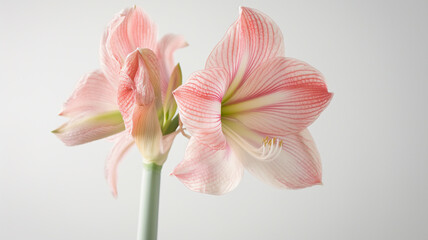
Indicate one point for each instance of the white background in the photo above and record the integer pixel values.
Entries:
(372, 138)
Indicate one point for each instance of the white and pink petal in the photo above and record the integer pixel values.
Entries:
(251, 40)
(93, 94)
(147, 133)
(298, 165)
(123, 143)
(229, 52)
(82, 129)
(129, 30)
(209, 171)
(165, 52)
(277, 74)
(199, 103)
(263, 37)
(282, 96)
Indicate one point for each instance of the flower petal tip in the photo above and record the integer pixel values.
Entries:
(176, 171)
(114, 194)
(244, 10)
(112, 184)
(241, 8)
(317, 181)
(59, 134)
(328, 97)
(176, 91)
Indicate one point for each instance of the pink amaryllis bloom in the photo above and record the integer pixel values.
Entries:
(249, 109)
(93, 107)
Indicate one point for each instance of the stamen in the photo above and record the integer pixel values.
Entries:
(182, 129)
(270, 147)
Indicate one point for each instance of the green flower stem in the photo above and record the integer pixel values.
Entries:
(149, 203)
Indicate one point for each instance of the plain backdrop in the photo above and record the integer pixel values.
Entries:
(372, 138)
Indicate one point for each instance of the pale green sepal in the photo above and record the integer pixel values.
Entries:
(171, 126)
(113, 117)
(170, 106)
(106, 118)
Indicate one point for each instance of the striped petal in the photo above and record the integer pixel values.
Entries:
(139, 84)
(251, 40)
(93, 94)
(109, 66)
(229, 51)
(263, 37)
(280, 97)
(147, 133)
(165, 51)
(297, 166)
(129, 30)
(83, 129)
(199, 103)
(167, 141)
(207, 170)
(122, 145)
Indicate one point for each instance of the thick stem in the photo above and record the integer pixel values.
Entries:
(149, 202)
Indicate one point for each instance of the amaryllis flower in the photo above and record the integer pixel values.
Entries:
(93, 107)
(249, 109)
